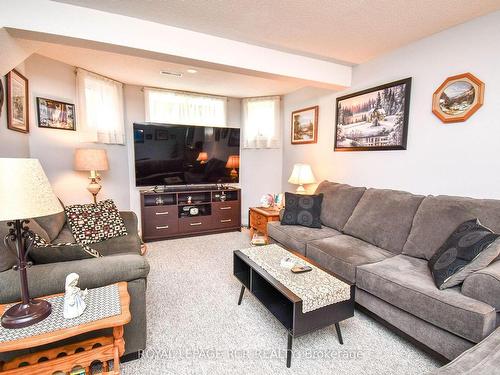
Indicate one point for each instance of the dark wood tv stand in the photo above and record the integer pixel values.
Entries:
(167, 214)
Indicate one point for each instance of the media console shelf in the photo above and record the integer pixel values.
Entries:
(180, 213)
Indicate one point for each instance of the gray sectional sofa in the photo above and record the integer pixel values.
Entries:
(382, 240)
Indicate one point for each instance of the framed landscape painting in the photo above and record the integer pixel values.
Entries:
(458, 98)
(53, 114)
(17, 102)
(305, 126)
(374, 119)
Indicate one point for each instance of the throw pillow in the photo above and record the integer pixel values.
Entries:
(470, 247)
(44, 252)
(91, 223)
(302, 210)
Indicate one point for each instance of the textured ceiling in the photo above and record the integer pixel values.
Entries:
(351, 31)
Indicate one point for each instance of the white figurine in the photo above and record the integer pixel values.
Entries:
(74, 304)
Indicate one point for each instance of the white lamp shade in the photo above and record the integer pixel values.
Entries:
(25, 191)
(89, 159)
(302, 174)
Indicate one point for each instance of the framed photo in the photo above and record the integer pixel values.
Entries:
(53, 114)
(305, 126)
(17, 102)
(161, 135)
(374, 119)
(458, 98)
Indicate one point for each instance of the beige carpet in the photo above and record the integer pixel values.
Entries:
(196, 327)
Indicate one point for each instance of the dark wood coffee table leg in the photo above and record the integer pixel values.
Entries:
(289, 351)
(241, 294)
(339, 334)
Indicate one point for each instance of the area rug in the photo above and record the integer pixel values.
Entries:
(195, 326)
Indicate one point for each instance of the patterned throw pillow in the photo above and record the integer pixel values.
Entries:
(302, 210)
(470, 248)
(91, 223)
(73, 251)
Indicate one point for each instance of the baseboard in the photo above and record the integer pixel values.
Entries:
(437, 356)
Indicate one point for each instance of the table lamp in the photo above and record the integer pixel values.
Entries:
(25, 193)
(233, 162)
(301, 174)
(202, 157)
(93, 161)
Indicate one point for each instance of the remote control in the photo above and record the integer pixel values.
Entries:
(301, 269)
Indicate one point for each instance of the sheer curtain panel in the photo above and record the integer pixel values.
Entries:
(174, 107)
(100, 109)
(261, 122)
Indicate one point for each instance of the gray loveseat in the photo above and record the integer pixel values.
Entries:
(382, 240)
(121, 261)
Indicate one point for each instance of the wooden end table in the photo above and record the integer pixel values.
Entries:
(259, 217)
(67, 357)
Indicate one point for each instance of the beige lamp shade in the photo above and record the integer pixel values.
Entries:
(203, 157)
(233, 162)
(302, 174)
(89, 159)
(25, 191)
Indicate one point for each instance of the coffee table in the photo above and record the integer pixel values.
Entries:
(303, 302)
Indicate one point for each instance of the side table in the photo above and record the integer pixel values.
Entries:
(260, 216)
(65, 358)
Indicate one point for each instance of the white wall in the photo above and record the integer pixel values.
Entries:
(55, 148)
(455, 159)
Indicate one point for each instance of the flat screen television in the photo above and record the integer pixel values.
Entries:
(180, 154)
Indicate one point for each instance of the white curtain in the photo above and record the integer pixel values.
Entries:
(174, 107)
(100, 109)
(261, 122)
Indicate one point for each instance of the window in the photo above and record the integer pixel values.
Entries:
(100, 109)
(174, 107)
(261, 122)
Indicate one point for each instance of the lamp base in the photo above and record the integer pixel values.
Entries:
(300, 189)
(26, 314)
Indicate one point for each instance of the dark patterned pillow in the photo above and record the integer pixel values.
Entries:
(91, 223)
(470, 247)
(302, 210)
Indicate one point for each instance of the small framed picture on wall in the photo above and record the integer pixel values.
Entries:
(305, 125)
(17, 102)
(53, 114)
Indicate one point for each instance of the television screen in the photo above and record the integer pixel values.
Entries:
(179, 154)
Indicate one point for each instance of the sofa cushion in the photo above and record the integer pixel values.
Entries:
(484, 285)
(437, 217)
(406, 282)
(295, 237)
(339, 201)
(384, 218)
(470, 248)
(342, 254)
(53, 224)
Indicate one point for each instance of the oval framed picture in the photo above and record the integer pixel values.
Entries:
(458, 98)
